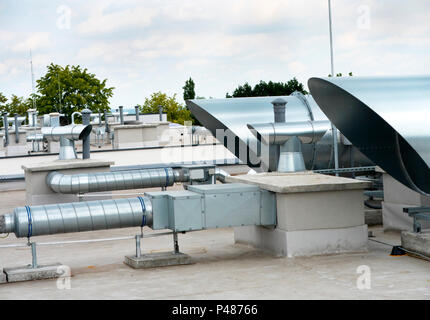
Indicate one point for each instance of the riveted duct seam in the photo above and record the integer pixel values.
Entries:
(109, 181)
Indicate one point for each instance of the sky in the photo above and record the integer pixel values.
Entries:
(146, 46)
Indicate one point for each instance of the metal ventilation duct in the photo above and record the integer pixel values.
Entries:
(109, 181)
(231, 116)
(387, 119)
(77, 217)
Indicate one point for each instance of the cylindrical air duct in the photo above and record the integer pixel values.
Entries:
(121, 115)
(16, 125)
(6, 129)
(77, 217)
(136, 109)
(386, 118)
(109, 181)
(160, 111)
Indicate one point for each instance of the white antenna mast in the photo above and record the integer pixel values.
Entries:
(32, 79)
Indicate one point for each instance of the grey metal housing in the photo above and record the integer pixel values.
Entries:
(386, 119)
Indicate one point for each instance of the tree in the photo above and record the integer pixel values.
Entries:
(71, 89)
(17, 105)
(189, 92)
(263, 89)
(340, 75)
(175, 111)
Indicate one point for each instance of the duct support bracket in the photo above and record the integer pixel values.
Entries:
(158, 259)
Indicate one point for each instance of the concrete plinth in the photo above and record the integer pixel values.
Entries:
(3, 278)
(159, 259)
(416, 242)
(38, 192)
(27, 273)
(135, 136)
(316, 214)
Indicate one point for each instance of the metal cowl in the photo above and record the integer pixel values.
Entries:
(386, 118)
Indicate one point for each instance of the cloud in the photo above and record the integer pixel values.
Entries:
(116, 21)
(35, 41)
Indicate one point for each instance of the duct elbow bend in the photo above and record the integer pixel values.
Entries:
(221, 175)
(53, 180)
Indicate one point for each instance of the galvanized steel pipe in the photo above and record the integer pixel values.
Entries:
(77, 217)
(109, 181)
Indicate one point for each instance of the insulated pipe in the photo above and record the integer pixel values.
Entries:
(77, 217)
(109, 181)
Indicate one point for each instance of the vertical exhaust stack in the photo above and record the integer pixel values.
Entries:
(67, 135)
(289, 137)
(386, 118)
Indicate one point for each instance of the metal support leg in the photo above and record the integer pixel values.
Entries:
(417, 225)
(138, 251)
(175, 242)
(33, 255)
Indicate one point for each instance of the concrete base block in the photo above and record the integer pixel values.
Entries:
(3, 278)
(304, 242)
(16, 150)
(373, 217)
(417, 242)
(159, 259)
(27, 273)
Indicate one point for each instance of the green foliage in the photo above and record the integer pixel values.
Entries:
(71, 89)
(189, 92)
(175, 111)
(270, 88)
(17, 105)
(340, 75)
(3, 99)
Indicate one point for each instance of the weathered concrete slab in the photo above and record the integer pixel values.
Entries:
(26, 273)
(299, 182)
(66, 164)
(417, 242)
(159, 259)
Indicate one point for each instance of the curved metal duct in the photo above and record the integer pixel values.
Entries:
(71, 132)
(221, 175)
(386, 119)
(109, 181)
(77, 217)
(232, 116)
(280, 132)
(67, 136)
